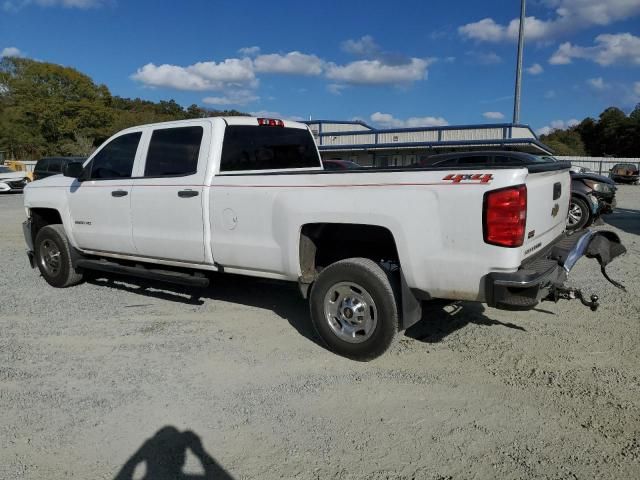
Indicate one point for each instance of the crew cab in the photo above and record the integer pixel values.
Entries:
(242, 195)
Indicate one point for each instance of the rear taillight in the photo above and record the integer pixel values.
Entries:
(505, 216)
(270, 122)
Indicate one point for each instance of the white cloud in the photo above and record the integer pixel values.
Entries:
(535, 69)
(570, 16)
(363, 47)
(336, 88)
(608, 49)
(249, 51)
(550, 94)
(484, 58)
(293, 63)
(557, 125)
(386, 120)
(231, 72)
(375, 72)
(15, 5)
(11, 52)
(238, 97)
(493, 115)
(597, 83)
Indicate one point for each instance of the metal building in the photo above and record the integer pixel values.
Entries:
(368, 146)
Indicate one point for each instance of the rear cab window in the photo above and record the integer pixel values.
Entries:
(250, 148)
(173, 152)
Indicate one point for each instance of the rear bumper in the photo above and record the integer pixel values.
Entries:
(535, 278)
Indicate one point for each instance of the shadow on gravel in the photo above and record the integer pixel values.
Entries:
(164, 456)
(625, 219)
(283, 298)
(442, 317)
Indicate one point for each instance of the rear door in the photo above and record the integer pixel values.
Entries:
(167, 196)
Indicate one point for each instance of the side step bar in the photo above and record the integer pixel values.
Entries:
(167, 276)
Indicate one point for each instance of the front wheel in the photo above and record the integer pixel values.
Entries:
(354, 308)
(579, 214)
(53, 257)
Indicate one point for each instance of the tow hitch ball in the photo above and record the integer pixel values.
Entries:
(563, 293)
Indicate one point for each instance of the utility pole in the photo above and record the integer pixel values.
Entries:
(516, 97)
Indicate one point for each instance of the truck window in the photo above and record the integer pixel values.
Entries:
(173, 152)
(473, 160)
(247, 147)
(115, 160)
(55, 165)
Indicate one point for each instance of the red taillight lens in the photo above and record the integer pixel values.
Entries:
(270, 122)
(505, 216)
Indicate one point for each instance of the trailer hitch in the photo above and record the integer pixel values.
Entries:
(564, 293)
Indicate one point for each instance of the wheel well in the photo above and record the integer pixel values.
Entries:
(41, 217)
(322, 244)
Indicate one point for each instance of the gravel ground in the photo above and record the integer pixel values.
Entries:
(88, 376)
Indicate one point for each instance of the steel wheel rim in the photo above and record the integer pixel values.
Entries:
(50, 257)
(575, 214)
(350, 312)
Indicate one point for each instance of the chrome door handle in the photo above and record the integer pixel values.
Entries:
(187, 193)
(119, 193)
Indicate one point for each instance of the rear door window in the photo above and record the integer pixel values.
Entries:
(55, 165)
(248, 147)
(173, 152)
(116, 159)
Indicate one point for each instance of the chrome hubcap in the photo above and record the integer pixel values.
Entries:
(350, 312)
(575, 214)
(50, 257)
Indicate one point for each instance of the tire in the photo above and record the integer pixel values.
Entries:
(579, 215)
(53, 257)
(354, 309)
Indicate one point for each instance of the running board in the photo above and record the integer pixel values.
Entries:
(176, 278)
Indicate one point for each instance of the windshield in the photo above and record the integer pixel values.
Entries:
(546, 158)
(5, 170)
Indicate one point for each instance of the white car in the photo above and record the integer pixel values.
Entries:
(12, 181)
(242, 195)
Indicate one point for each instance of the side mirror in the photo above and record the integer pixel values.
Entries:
(73, 170)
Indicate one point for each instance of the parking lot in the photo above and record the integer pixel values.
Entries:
(91, 373)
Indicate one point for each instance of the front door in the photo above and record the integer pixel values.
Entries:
(167, 195)
(100, 202)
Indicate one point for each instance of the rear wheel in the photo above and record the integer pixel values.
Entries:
(354, 308)
(53, 257)
(579, 214)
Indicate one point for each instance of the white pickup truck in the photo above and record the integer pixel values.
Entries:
(249, 196)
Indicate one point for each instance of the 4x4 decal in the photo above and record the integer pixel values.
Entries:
(469, 177)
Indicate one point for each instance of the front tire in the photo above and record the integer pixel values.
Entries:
(579, 215)
(354, 309)
(53, 257)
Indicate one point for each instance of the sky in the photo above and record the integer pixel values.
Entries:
(398, 63)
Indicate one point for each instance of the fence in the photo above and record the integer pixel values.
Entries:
(600, 165)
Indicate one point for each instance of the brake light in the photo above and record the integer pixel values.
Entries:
(505, 216)
(270, 122)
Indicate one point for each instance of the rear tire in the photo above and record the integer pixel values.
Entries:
(354, 309)
(53, 257)
(579, 215)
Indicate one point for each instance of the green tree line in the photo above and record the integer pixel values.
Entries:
(49, 109)
(613, 134)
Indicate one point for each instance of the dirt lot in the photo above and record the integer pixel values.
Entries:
(89, 374)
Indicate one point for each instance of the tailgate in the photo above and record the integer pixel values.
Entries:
(548, 195)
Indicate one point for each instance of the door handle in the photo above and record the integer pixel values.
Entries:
(119, 193)
(187, 193)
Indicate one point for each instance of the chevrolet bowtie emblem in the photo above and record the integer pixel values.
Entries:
(555, 210)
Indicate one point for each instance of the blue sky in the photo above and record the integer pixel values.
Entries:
(389, 63)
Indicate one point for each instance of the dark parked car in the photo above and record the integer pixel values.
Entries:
(591, 194)
(339, 165)
(53, 166)
(624, 173)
